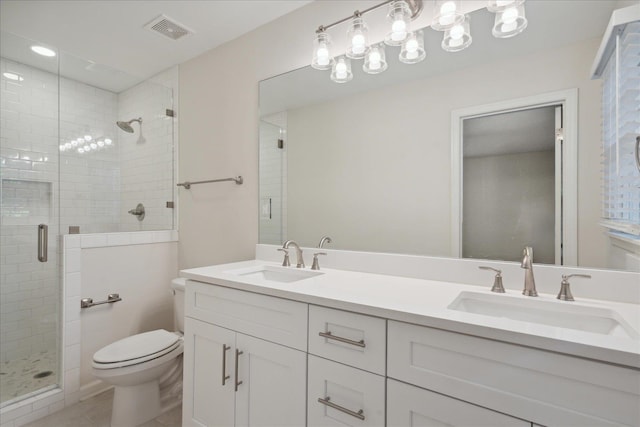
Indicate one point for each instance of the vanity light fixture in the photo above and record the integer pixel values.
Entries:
(357, 36)
(510, 21)
(341, 71)
(446, 15)
(44, 51)
(401, 12)
(412, 50)
(400, 18)
(375, 62)
(457, 37)
(322, 59)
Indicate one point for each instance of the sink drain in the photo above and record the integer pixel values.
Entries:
(43, 374)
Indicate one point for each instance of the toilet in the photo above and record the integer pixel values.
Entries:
(145, 369)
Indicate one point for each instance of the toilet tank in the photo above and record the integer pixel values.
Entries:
(178, 287)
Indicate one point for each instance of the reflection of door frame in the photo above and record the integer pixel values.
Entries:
(569, 101)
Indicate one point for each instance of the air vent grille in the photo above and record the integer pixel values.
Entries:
(168, 28)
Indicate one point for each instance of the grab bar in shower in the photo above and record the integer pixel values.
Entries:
(88, 302)
(187, 184)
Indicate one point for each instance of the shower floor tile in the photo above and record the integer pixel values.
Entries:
(28, 374)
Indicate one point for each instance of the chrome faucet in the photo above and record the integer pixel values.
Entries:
(299, 259)
(529, 281)
(325, 239)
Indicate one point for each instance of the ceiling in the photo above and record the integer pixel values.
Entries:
(109, 37)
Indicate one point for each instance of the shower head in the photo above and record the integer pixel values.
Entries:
(126, 126)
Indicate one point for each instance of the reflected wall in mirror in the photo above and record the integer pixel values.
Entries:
(369, 162)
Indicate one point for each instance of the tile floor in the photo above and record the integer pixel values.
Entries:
(19, 376)
(96, 412)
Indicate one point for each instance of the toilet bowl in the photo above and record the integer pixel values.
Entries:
(140, 366)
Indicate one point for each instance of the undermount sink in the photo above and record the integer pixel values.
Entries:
(275, 274)
(559, 314)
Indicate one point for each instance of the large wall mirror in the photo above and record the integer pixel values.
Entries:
(369, 162)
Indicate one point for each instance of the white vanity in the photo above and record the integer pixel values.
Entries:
(269, 345)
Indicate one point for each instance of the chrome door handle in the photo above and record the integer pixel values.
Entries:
(238, 353)
(327, 402)
(225, 377)
(43, 237)
(330, 336)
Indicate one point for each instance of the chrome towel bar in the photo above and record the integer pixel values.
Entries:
(187, 184)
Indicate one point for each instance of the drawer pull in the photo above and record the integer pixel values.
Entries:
(327, 402)
(330, 336)
(225, 377)
(238, 353)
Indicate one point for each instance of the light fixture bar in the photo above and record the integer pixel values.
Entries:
(415, 6)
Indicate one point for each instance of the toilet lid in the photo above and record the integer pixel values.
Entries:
(136, 347)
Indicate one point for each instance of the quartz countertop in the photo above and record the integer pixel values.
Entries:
(426, 302)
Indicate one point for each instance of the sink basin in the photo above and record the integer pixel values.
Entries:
(275, 274)
(559, 314)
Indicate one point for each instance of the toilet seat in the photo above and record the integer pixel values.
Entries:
(136, 349)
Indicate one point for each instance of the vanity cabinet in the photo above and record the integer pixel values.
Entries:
(233, 378)
(548, 388)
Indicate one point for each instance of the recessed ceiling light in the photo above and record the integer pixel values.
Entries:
(13, 76)
(44, 51)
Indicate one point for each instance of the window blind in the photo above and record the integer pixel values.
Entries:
(620, 128)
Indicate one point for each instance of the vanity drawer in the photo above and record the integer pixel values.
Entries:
(349, 338)
(408, 405)
(269, 318)
(345, 392)
(544, 387)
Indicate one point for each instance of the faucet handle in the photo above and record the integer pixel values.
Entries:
(497, 282)
(285, 262)
(565, 289)
(316, 265)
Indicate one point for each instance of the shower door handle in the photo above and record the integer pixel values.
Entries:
(43, 240)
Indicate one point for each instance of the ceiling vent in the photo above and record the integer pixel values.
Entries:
(168, 28)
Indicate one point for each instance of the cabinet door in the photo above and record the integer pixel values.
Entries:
(272, 384)
(208, 394)
(408, 405)
(341, 396)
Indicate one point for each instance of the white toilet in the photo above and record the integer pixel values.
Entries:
(145, 369)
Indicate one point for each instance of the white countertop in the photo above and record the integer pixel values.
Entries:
(425, 302)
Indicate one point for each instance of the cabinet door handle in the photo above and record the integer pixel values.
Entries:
(225, 377)
(638, 153)
(330, 336)
(327, 402)
(238, 353)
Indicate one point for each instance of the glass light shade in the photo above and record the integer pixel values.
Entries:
(457, 37)
(412, 50)
(400, 18)
(500, 5)
(358, 40)
(375, 62)
(341, 71)
(322, 59)
(446, 14)
(510, 22)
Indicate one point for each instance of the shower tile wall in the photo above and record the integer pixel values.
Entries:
(90, 181)
(29, 290)
(273, 179)
(147, 155)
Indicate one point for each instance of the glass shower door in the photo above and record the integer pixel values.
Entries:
(30, 294)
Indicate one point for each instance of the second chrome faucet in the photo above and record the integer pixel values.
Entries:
(529, 281)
